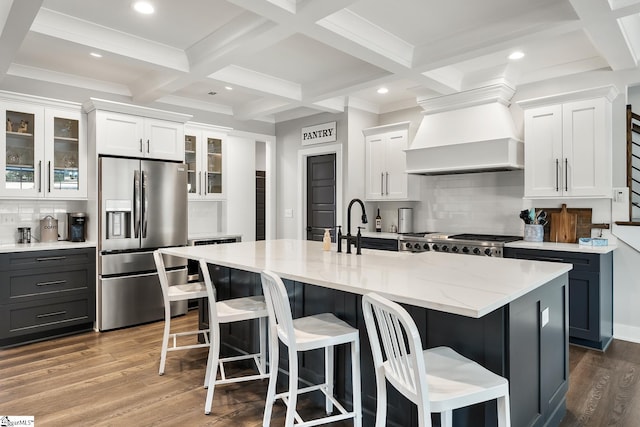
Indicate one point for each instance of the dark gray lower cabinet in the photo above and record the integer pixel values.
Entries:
(511, 341)
(590, 293)
(45, 294)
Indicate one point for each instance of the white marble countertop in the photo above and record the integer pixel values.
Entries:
(567, 247)
(38, 246)
(466, 285)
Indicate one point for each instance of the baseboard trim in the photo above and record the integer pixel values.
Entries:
(626, 332)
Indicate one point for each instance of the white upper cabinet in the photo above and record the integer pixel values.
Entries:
(386, 163)
(45, 151)
(568, 145)
(205, 157)
(132, 131)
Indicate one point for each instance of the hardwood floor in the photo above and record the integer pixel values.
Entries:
(111, 379)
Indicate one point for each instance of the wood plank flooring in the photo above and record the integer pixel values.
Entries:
(111, 379)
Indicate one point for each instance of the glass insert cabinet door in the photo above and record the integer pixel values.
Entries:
(191, 160)
(66, 155)
(22, 171)
(214, 166)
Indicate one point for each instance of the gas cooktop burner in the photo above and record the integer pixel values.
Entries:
(466, 243)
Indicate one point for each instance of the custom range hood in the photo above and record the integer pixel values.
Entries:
(471, 131)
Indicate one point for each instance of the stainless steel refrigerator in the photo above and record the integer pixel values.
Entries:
(143, 206)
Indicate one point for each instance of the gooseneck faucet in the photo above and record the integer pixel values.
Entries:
(349, 238)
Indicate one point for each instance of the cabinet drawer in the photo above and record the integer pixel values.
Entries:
(20, 319)
(580, 261)
(23, 285)
(42, 259)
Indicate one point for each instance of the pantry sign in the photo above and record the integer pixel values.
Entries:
(319, 133)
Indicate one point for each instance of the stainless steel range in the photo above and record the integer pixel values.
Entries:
(470, 244)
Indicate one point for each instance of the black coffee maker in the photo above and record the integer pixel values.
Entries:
(76, 226)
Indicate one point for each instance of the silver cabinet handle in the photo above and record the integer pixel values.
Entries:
(387, 183)
(557, 176)
(55, 313)
(382, 183)
(51, 258)
(148, 146)
(141, 145)
(566, 175)
(205, 183)
(200, 181)
(49, 177)
(54, 282)
(40, 176)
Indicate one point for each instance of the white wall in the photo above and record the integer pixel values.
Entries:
(241, 187)
(288, 175)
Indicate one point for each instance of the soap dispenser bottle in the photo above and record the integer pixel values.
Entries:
(326, 240)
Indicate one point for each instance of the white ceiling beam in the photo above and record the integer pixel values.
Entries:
(17, 17)
(75, 30)
(249, 79)
(196, 104)
(605, 32)
(260, 108)
(332, 105)
(67, 79)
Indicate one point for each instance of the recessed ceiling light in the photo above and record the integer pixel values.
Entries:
(143, 7)
(516, 55)
(95, 55)
(228, 88)
(383, 90)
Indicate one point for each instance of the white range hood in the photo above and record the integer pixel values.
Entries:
(471, 131)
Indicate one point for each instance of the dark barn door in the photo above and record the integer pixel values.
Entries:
(321, 195)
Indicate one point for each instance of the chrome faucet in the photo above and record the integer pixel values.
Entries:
(349, 238)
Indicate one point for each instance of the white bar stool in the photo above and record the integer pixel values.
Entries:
(303, 334)
(227, 311)
(171, 293)
(436, 380)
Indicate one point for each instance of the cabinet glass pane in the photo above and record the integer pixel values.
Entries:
(66, 154)
(19, 173)
(214, 165)
(190, 142)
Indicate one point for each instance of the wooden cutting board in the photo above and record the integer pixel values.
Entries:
(563, 226)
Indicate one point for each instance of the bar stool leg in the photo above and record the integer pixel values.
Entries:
(355, 379)
(165, 339)
(293, 388)
(212, 369)
(381, 396)
(273, 377)
(328, 377)
(446, 418)
(503, 412)
(263, 345)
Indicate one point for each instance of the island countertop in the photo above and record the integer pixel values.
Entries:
(467, 285)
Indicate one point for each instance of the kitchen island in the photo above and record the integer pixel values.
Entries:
(509, 315)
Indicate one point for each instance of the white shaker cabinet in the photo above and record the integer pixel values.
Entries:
(205, 157)
(135, 136)
(385, 166)
(568, 145)
(133, 131)
(45, 151)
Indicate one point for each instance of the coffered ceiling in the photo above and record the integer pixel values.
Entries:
(285, 59)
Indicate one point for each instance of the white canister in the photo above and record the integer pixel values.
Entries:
(48, 229)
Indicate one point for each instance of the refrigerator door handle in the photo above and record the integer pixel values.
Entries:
(136, 204)
(145, 206)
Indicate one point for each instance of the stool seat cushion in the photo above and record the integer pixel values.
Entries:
(320, 330)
